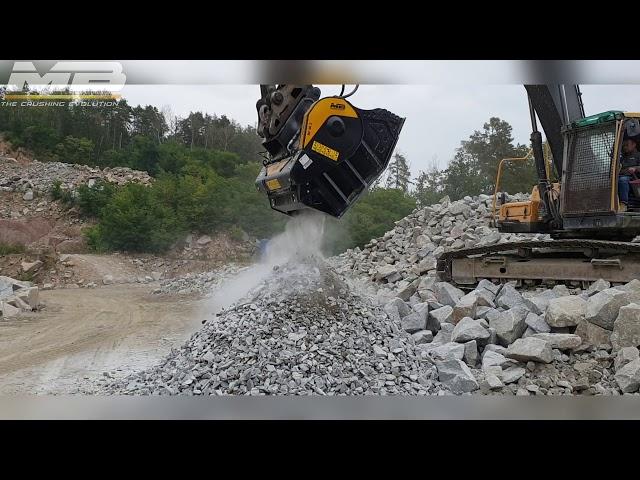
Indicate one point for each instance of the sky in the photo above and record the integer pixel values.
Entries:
(438, 117)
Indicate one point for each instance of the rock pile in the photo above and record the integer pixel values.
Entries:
(312, 328)
(17, 296)
(38, 176)
(301, 332)
(410, 250)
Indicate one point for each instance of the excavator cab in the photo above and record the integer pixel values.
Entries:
(586, 198)
(322, 153)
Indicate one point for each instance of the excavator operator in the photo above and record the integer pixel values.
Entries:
(629, 166)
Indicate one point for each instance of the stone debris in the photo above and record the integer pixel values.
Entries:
(17, 296)
(377, 321)
(38, 177)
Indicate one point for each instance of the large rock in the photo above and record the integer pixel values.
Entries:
(628, 377)
(204, 240)
(456, 376)
(468, 329)
(30, 295)
(489, 286)
(625, 355)
(626, 328)
(512, 374)
(598, 286)
(444, 334)
(447, 351)
(385, 271)
(593, 334)
(509, 298)
(471, 353)
(396, 308)
(422, 337)
(439, 316)
(537, 323)
(406, 289)
(492, 359)
(465, 307)
(542, 301)
(561, 341)
(28, 267)
(530, 349)
(413, 322)
(9, 311)
(603, 307)
(447, 294)
(509, 325)
(107, 279)
(566, 311)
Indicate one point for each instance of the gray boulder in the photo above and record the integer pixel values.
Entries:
(625, 355)
(447, 294)
(530, 349)
(603, 307)
(561, 341)
(413, 322)
(566, 311)
(628, 377)
(509, 325)
(537, 323)
(423, 336)
(465, 307)
(471, 353)
(456, 376)
(626, 328)
(598, 286)
(468, 329)
(592, 334)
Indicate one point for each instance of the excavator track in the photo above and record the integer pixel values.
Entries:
(544, 261)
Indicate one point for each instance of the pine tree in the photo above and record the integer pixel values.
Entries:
(399, 175)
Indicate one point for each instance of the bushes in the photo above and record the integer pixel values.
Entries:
(135, 220)
(91, 200)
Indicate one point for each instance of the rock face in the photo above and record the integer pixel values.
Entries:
(603, 307)
(465, 307)
(566, 311)
(626, 328)
(457, 376)
(468, 329)
(593, 334)
(447, 294)
(509, 325)
(530, 349)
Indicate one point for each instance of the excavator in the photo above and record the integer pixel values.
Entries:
(323, 153)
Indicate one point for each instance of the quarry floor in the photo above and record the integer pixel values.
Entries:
(82, 334)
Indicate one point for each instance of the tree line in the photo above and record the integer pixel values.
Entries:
(205, 167)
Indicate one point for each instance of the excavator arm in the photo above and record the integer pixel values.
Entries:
(321, 153)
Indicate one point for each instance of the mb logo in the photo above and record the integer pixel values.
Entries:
(86, 75)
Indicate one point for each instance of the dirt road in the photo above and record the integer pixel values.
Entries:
(83, 333)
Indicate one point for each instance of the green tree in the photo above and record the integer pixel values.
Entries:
(399, 175)
(136, 220)
(429, 185)
(474, 168)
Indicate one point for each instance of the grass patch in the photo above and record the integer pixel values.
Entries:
(8, 248)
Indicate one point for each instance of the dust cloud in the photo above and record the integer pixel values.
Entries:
(302, 239)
